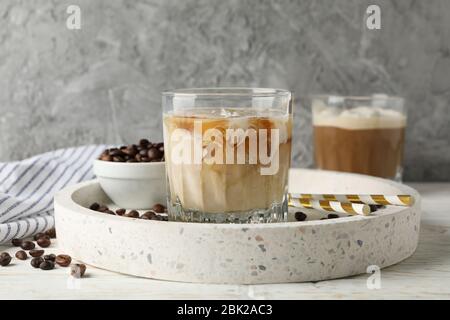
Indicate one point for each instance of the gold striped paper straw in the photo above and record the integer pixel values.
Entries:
(378, 199)
(330, 206)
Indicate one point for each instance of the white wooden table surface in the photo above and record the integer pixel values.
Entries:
(425, 275)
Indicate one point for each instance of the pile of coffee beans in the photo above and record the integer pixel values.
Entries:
(145, 151)
(156, 213)
(39, 258)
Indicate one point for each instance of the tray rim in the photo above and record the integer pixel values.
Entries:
(65, 198)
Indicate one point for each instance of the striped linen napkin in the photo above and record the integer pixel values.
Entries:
(27, 188)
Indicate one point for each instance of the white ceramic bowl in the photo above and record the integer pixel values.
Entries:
(132, 185)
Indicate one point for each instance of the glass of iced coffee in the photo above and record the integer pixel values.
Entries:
(359, 134)
(227, 154)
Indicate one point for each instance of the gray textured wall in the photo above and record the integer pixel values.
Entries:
(60, 87)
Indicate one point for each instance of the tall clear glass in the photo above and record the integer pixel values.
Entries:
(228, 153)
(360, 134)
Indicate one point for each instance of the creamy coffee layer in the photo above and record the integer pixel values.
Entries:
(364, 117)
(226, 187)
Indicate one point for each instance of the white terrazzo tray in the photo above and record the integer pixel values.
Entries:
(242, 254)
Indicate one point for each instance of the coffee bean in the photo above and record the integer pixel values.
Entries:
(138, 157)
(157, 217)
(78, 270)
(63, 260)
(118, 159)
(110, 212)
(27, 245)
(159, 208)
(51, 233)
(143, 152)
(50, 257)
(38, 235)
(115, 153)
(16, 242)
(130, 151)
(103, 209)
(300, 216)
(144, 142)
(106, 158)
(5, 259)
(375, 207)
(47, 265)
(36, 253)
(154, 154)
(120, 212)
(145, 159)
(95, 206)
(333, 216)
(323, 218)
(35, 262)
(148, 215)
(44, 242)
(132, 214)
(21, 255)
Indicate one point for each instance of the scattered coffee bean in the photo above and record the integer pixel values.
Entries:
(35, 262)
(132, 214)
(333, 216)
(44, 242)
(5, 259)
(103, 209)
(36, 253)
(16, 242)
(323, 218)
(47, 265)
(63, 260)
(78, 270)
(144, 152)
(27, 245)
(375, 207)
(95, 206)
(51, 233)
(148, 215)
(50, 257)
(21, 255)
(38, 235)
(157, 217)
(120, 212)
(159, 208)
(300, 216)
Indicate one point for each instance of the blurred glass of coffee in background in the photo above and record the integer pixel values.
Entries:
(359, 134)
